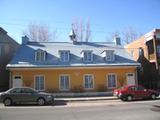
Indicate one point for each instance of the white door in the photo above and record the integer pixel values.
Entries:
(17, 81)
(130, 79)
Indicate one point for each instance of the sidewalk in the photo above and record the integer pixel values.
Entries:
(86, 98)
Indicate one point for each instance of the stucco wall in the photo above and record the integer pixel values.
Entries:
(76, 76)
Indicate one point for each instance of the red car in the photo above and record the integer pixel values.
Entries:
(130, 92)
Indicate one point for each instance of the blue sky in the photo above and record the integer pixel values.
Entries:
(105, 16)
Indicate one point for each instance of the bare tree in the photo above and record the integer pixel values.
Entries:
(39, 32)
(83, 33)
(88, 31)
(111, 36)
(130, 34)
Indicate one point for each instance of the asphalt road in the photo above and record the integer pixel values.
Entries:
(86, 110)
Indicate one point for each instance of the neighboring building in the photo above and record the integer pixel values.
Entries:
(146, 50)
(72, 66)
(8, 47)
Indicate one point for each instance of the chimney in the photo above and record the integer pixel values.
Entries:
(25, 40)
(117, 40)
(72, 36)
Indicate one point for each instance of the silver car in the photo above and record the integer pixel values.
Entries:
(25, 95)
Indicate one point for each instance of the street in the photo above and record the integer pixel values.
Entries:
(85, 110)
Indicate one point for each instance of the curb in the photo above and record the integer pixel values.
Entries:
(85, 99)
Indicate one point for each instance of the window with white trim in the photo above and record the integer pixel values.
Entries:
(110, 55)
(87, 56)
(64, 82)
(64, 56)
(111, 80)
(88, 81)
(39, 82)
(40, 55)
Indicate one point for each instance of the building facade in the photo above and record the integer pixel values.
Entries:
(8, 47)
(72, 66)
(146, 50)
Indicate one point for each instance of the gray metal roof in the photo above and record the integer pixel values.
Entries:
(25, 56)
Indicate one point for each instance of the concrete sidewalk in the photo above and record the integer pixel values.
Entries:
(86, 98)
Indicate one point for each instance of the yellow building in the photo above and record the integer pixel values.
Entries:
(72, 66)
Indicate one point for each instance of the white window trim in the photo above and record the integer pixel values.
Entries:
(68, 55)
(84, 81)
(87, 55)
(35, 81)
(60, 82)
(112, 57)
(115, 80)
(36, 53)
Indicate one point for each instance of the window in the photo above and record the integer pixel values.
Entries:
(110, 55)
(132, 88)
(141, 52)
(28, 90)
(15, 90)
(87, 56)
(158, 50)
(39, 82)
(64, 82)
(140, 88)
(64, 56)
(40, 55)
(111, 81)
(132, 53)
(88, 82)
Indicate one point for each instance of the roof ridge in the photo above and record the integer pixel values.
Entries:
(65, 42)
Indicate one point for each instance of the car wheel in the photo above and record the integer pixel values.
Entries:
(7, 102)
(153, 96)
(123, 99)
(41, 101)
(129, 98)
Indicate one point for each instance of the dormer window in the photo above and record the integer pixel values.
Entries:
(64, 55)
(87, 56)
(108, 55)
(40, 55)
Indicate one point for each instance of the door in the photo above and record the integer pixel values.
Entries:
(130, 79)
(141, 92)
(29, 95)
(17, 81)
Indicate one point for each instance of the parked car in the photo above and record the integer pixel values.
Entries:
(25, 95)
(130, 92)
